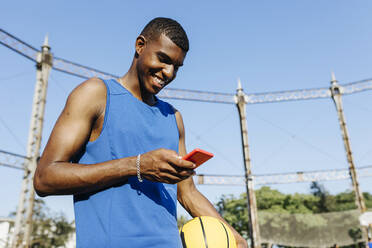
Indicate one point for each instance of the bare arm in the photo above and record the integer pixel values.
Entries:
(56, 175)
(191, 199)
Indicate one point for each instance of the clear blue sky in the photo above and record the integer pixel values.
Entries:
(271, 45)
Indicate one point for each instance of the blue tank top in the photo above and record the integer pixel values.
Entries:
(133, 214)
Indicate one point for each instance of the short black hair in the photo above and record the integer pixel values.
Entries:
(170, 28)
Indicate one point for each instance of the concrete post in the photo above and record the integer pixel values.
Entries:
(336, 91)
(253, 227)
(23, 224)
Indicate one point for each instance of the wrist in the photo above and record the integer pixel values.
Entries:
(128, 166)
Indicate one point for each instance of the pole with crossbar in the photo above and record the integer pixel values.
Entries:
(336, 91)
(253, 227)
(23, 223)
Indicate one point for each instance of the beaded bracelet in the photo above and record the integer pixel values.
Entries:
(138, 165)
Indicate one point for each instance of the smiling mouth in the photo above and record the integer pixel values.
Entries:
(158, 81)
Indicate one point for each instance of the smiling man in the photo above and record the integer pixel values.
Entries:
(117, 148)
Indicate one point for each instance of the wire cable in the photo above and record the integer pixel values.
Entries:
(11, 166)
(294, 136)
(198, 137)
(18, 75)
(18, 141)
(58, 84)
(276, 152)
(219, 122)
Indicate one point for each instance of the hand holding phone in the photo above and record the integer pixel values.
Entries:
(198, 156)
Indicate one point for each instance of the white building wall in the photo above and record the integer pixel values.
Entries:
(4, 234)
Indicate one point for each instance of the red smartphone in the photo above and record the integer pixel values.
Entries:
(198, 156)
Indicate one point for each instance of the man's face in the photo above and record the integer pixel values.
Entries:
(158, 63)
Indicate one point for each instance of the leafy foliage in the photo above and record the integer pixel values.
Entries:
(234, 210)
(49, 229)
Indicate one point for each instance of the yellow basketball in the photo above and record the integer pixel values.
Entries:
(206, 232)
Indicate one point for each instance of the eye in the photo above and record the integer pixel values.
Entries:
(161, 58)
(164, 59)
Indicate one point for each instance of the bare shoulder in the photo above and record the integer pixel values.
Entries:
(89, 95)
(91, 88)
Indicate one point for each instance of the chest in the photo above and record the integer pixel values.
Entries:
(142, 127)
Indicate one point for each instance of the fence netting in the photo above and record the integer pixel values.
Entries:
(311, 230)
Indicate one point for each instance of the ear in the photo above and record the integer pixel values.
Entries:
(140, 44)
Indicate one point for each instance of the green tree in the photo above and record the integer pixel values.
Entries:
(49, 229)
(234, 209)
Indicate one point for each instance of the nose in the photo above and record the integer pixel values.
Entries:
(169, 72)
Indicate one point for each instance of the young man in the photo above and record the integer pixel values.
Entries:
(117, 148)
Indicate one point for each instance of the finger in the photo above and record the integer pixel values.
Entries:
(175, 178)
(171, 179)
(180, 169)
(176, 171)
(186, 174)
(173, 158)
(179, 162)
(164, 177)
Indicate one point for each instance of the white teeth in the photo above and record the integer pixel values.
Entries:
(159, 81)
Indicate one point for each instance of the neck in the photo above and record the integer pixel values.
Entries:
(130, 82)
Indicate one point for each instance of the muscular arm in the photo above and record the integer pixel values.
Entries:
(56, 175)
(191, 199)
